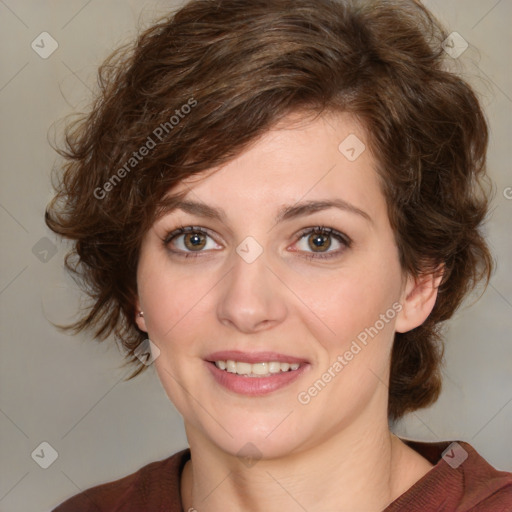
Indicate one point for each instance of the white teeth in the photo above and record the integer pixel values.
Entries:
(243, 368)
(264, 369)
(260, 368)
(273, 367)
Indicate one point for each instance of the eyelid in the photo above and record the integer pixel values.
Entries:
(183, 230)
(326, 231)
(180, 230)
(339, 236)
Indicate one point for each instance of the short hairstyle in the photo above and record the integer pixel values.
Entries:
(200, 85)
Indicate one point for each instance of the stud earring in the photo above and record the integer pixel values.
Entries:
(141, 314)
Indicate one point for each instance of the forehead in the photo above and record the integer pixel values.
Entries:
(297, 159)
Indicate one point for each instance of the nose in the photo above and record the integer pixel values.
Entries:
(252, 298)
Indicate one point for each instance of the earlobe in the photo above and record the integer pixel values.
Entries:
(139, 319)
(418, 300)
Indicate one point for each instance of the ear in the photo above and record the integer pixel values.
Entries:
(418, 299)
(139, 318)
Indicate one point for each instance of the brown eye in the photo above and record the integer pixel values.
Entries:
(319, 242)
(194, 241)
(185, 241)
(322, 242)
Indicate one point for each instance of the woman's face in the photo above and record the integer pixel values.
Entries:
(256, 279)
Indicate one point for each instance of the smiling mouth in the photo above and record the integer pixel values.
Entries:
(262, 369)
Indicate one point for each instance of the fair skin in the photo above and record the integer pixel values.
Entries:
(336, 451)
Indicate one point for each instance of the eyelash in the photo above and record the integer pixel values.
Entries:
(317, 230)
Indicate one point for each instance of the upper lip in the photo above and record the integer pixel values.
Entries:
(253, 357)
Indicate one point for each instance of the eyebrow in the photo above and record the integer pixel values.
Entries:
(285, 213)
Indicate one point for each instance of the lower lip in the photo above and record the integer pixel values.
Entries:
(254, 386)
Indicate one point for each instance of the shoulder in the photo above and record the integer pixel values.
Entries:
(461, 479)
(148, 488)
(485, 487)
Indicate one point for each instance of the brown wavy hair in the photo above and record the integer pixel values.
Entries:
(203, 83)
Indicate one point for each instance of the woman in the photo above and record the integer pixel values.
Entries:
(278, 202)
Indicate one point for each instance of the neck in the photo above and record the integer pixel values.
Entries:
(360, 469)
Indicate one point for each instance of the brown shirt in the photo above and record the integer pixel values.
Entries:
(460, 481)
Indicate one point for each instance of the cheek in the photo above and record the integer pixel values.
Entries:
(352, 295)
(165, 294)
(168, 306)
(350, 303)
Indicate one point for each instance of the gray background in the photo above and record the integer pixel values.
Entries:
(69, 391)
